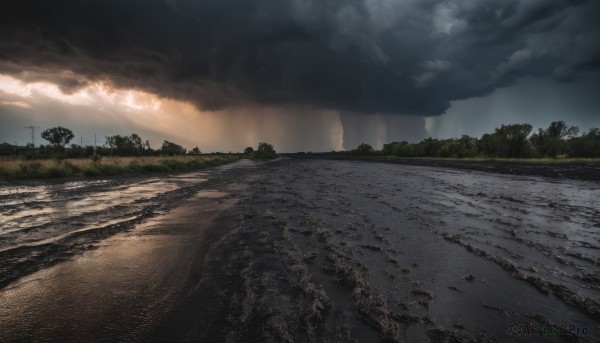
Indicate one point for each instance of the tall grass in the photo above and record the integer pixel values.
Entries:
(11, 168)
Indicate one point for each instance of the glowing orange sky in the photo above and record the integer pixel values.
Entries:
(160, 118)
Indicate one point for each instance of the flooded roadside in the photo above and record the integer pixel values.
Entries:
(317, 250)
(120, 290)
(116, 282)
(42, 222)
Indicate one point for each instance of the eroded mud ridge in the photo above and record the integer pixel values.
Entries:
(352, 251)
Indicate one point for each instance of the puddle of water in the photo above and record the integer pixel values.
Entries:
(212, 194)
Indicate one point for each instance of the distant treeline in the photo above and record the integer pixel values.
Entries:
(117, 145)
(507, 141)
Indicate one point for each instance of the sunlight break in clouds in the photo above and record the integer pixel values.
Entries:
(21, 104)
(119, 111)
(97, 94)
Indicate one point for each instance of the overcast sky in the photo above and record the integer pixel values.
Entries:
(301, 74)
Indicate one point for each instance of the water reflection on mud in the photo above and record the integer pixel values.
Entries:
(44, 222)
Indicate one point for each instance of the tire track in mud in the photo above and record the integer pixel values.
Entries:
(587, 305)
(519, 227)
(571, 297)
(512, 235)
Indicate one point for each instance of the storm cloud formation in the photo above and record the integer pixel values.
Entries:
(410, 57)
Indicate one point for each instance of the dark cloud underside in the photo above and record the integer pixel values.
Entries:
(394, 57)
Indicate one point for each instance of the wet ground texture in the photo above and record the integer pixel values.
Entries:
(563, 170)
(342, 251)
(352, 251)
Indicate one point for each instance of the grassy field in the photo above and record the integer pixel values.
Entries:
(11, 168)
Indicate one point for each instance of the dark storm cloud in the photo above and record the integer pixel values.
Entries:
(362, 56)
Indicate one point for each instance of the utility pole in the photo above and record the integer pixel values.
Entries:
(32, 134)
(81, 145)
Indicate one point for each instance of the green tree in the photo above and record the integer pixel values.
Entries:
(551, 141)
(468, 146)
(364, 149)
(588, 145)
(394, 148)
(488, 145)
(405, 149)
(512, 140)
(388, 149)
(451, 148)
(171, 149)
(248, 150)
(126, 145)
(538, 140)
(428, 147)
(58, 136)
(265, 150)
(136, 143)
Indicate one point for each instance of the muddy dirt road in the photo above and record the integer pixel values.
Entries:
(305, 250)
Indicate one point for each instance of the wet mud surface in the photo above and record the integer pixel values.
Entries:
(45, 222)
(563, 170)
(332, 251)
(352, 251)
(112, 282)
